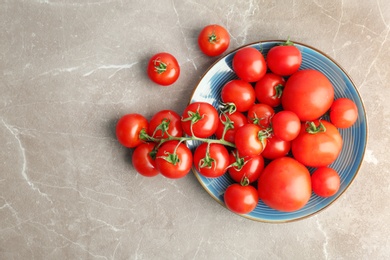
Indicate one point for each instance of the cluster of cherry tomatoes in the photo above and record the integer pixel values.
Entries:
(274, 123)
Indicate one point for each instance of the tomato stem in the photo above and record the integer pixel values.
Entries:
(313, 129)
(159, 66)
(228, 124)
(213, 38)
(207, 161)
(278, 91)
(229, 108)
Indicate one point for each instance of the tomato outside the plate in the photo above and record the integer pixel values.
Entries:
(213, 40)
(128, 129)
(163, 69)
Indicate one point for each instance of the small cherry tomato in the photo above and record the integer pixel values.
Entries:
(128, 129)
(249, 64)
(143, 159)
(163, 69)
(276, 148)
(237, 95)
(269, 89)
(343, 113)
(200, 119)
(245, 167)
(213, 40)
(211, 160)
(165, 123)
(250, 140)
(325, 182)
(261, 114)
(232, 122)
(241, 198)
(174, 159)
(284, 59)
(286, 125)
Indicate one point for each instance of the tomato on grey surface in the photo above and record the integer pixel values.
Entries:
(128, 129)
(213, 40)
(163, 69)
(143, 159)
(165, 123)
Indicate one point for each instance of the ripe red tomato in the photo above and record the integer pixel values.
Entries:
(165, 123)
(318, 144)
(238, 93)
(285, 185)
(276, 148)
(245, 167)
(143, 161)
(213, 40)
(250, 140)
(129, 128)
(269, 89)
(234, 121)
(211, 162)
(241, 199)
(174, 159)
(308, 93)
(286, 125)
(249, 64)
(200, 119)
(325, 182)
(343, 113)
(284, 59)
(260, 114)
(163, 69)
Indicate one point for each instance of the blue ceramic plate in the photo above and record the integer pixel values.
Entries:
(355, 137)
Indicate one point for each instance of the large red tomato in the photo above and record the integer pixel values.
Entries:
(318, 144)
(285, 185)
(308, 93)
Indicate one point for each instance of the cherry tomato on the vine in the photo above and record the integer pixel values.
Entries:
(343, 113)
(211, 161)
(286, 125)
(325, 182)
(245, 167)
(174, 159)
(213, 40)
(241, 198)
(233, 122)
(163, 69)
(250, 140)
(200, 119)
(143, 160)
(269, 89)
(165, 123)
(128, 129)
(238, 95)
(284, 59)
(249, 64)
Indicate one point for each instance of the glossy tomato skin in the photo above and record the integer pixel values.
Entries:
(240, 93)
(249, 167)
(207, 119)
(260, 114)
(269, 89)
(142, 160)
(248, 142)
(249, 64)
(241, 199)
(284, 60)
(343, 113)
(286, 125)
(219, 156)
(128, 129)
(319, 149)
(213, 40)
(172, 119)
(178, 169)
(163, 69)
(285, 185)
(238, 119)
(308, 93)
(276, 148)
(325, 182)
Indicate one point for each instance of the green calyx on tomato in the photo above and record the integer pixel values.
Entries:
(278, 91)
(287, 43)
(207, 161)
(313, 129)
(159, 66)
(263, 135)
(239, 161)
(213, 38)
(228, 107)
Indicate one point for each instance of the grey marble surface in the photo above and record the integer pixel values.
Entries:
(70, 69)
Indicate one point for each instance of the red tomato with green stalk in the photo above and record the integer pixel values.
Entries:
(245, 167)
(343, 113)
(237, 95)
(174, 159)
(285, 185)
(143, 159)
(213, 40)
(211, 159)
(284, 59)
(325, 182)
(308, 93)
(260, 114)
(163, 69)
(241, 198)
(251, 140)
(128, 129)
(230, 122)
(200, 119)
(269, 89)
(319, 143)
(249, 64)
(165, 123)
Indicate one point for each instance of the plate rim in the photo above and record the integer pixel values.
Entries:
(365, 124)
